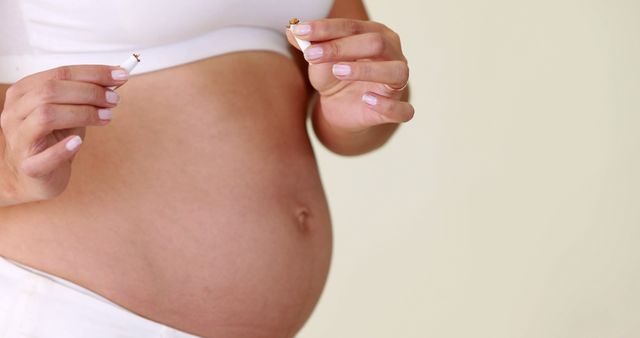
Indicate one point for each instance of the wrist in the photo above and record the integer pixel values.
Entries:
(349, 141)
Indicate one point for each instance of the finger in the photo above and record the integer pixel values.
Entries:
(51, 158)
(291, 39)
(351, 48)
(329, 29)
(66, 92)
(299, 44)
(55, 117)
(390, 110)
(392, 73)
(102, 75)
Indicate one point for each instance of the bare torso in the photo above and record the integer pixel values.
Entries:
(199, 206)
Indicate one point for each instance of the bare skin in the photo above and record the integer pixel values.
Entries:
(200, 205)
(200, 212)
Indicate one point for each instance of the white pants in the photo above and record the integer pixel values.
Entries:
(35, 304)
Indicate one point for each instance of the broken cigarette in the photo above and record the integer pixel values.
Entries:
(303, 44)
(129, 64)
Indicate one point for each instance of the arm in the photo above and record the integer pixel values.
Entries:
(340, 141)
(43, 119)
(342, 118)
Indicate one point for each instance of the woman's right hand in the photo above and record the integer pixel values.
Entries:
(44, 120)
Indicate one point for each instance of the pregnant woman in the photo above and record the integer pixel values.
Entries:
(188, 201)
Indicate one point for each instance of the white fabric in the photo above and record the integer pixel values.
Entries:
(40, 34)
(34, 303)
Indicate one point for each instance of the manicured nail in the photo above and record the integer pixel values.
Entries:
(105, 114)
(119, 74)
(112, 97)
(341, 70)
(73, 143)
(313, 53)
(301, 29)
(370, 99)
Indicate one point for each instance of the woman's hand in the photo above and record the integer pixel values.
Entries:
(44, 120)
(358, 69)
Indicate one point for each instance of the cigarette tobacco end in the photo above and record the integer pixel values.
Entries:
(293, 21)
(137, 56)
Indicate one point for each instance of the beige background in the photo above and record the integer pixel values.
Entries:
(510, 206)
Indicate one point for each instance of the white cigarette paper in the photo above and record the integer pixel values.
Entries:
(303, 44)
(131, 63)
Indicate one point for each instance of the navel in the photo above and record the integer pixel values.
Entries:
(303, 216)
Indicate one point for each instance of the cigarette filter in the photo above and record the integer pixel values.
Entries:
(129, 64)
(303, 44)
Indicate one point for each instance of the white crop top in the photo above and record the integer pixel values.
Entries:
(36, 35)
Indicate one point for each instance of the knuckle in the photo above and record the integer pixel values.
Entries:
(393, 36)
(388, 107)
(95, 94)
(334, 49)
(320, 29)
(102, 74)
(381, 116)
(396, 38)
(351, 27)
(48, 90)
(28, 167)
(44, 116)
(377, 43)
(91, 116)
(403, 71)
(11, 91)
(62, 73)
(366, 71)
(29, 170)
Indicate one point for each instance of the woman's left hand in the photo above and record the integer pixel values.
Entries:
(358, 69)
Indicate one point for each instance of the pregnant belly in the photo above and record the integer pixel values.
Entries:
(199, 206)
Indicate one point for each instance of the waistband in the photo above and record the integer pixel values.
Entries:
(34, 303)
(218, 42)
(63, 282)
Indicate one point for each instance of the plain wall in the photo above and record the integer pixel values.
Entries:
(510, 206)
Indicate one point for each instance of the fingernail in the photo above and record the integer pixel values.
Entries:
(119, 74)
(370, 99)
(73, 143)
(105, 114)
(313, 53)
(341, 70)
(301, 29)
(112, 97)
